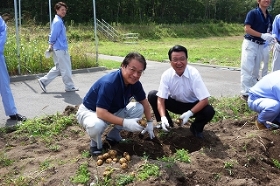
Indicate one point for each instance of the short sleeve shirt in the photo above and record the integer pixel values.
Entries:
(187, 88)
(255, 18)
(110, 93)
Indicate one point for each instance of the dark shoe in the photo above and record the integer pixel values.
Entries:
(113, 142)
(17, 117)
(244, 97)
(73, 89)
(196, 133)
(43, 87)
(94, 151)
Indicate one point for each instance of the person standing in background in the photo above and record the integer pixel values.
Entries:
(59, 46)
(258, 25)
(5, 89)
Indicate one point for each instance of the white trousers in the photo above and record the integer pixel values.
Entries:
(276, 57)
(5, 89)
(265, 60)
(95, 126)
(250, 64)
(62, 67)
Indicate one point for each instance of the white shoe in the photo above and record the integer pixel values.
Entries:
(72, 89)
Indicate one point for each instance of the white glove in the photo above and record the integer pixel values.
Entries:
(164, 123)
(267, 36)
(132, 125)
(277, 46)
(150, 129)
(185, 117)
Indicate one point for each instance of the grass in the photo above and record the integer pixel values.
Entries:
(82, 175)
(215, 44)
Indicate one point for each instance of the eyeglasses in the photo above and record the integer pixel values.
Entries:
(133, 70)
(176, 60)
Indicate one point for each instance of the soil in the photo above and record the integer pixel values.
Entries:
(250, 152)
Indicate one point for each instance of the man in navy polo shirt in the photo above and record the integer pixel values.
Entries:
(108, 101)
(258, 31)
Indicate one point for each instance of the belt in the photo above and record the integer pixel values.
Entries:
(256, 41)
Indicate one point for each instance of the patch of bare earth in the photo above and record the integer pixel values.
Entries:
(248, 150)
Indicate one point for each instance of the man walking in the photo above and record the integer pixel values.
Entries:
(59, 46)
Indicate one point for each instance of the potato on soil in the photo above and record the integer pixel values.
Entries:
(127, 157)
(100, 157)
(109, 160)
(99, 162)
(115, 160)
(122, 160)
(112, 153)
(106, 156)
(106, 173)
(125, 153)
(124, 166)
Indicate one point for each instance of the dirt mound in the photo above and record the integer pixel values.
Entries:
(232, 153)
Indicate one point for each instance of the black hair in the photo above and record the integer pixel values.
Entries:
(177, 48)
(134, 55)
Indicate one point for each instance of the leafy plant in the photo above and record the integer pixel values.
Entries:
(276, 163)
(123, 180)
(82, 175)
(147, 170)
(4, 161)
(182, 155)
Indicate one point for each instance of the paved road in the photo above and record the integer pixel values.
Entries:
(32, 102)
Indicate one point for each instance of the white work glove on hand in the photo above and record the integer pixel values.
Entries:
(164, 123)
(150, 129)
(277, 46)
(132, 125)
(185, 117)
(267, 36)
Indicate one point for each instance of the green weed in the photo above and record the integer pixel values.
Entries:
(276, 163)
(4, 161)
(82, 175)
(147, 170)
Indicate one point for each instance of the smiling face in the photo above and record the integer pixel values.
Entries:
(179, 62)
(61, 12)
(132, 72)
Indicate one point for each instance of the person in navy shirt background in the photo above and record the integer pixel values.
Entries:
(109, 101)
(258, 26)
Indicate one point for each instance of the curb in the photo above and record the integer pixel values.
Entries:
(36, 76)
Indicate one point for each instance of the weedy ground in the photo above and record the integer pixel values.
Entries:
(54, 151)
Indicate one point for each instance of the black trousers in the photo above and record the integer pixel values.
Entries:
(201, 118)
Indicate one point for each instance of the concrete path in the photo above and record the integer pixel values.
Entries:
(32, 102)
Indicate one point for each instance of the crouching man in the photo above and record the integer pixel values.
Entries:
(264, 98)
(181, 91)
(109, 102)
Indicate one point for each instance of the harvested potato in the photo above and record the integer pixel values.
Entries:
(106, 156)
(106, 173)
(99, 162)
(125, 153)
(122, 160)
(127, 157)
(142, 122)
(109, 160)
(179, 121)
(112, 153)
(115, 160)
(124, 166)
(100, 157)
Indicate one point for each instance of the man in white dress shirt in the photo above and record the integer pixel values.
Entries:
(181, 91)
